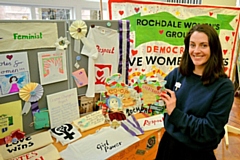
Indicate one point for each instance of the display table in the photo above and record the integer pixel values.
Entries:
(146, 148)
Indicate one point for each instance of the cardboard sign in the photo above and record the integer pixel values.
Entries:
(90, 121)
(150, 123)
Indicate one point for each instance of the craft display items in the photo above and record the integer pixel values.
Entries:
(25, 145)
(62, 43)
(152, 122)
(31, 93)
(124, 48)
(90, 121)
(102, 144)
(14, 72)
(49, 152)
(132, 126)
(13, 137)
(80, 77)
(78, 30)
(65, 133)
(102, 48)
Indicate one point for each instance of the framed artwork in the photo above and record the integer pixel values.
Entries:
(88, 104)
(14, 72)
(52, 66)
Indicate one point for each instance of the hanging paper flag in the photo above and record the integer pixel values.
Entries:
(78, 30)
(31, 93)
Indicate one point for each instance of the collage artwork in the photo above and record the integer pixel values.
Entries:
(122, 101)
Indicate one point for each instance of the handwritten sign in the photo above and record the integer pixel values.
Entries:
(10, 118)
(63, 107)
(47, 152)
(26, 36)
(25, 145)
(41, 119)
(153, 122)
(14, 72)
(103, 144)
(90, 121)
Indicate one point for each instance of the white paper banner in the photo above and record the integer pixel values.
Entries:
(22, 36)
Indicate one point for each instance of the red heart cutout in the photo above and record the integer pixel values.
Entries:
(121, 12)
(132, 80)
(225, 51)
(143, 70)
(227, 38)
(136, 9)
(136, 69)
(9, 57)
(134, 52)
(210, 13)
(130, 70)
(233, 33)
(161, 31)
(131, 40)
(100, 73)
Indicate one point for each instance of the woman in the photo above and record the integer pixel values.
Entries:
(198, 100)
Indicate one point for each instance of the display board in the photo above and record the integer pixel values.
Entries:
(83, 62)
(32, 55)
(53, 31)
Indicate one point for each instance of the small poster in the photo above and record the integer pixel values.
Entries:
(152, 122)
(63, 107)
(24, 36)
(10, 118)
(80, 77)
(52, 66)
(14, 72)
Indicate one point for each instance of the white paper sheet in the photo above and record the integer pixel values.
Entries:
(52, 66)
(63, 107)
(99, 146)
(152, 122)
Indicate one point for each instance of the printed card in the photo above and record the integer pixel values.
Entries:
(80, 77)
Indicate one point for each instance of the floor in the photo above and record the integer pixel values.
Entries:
(232, 151)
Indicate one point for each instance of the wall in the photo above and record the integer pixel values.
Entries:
(220, 2)
(76, 5)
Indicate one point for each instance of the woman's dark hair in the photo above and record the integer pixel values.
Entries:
(214, 66)
(10, 80)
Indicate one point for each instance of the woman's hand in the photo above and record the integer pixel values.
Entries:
(170, 100)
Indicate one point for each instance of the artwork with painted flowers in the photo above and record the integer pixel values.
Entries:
(150, 93)
(141, 97)
(14, 72)
(121, 100)
(52, 66)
